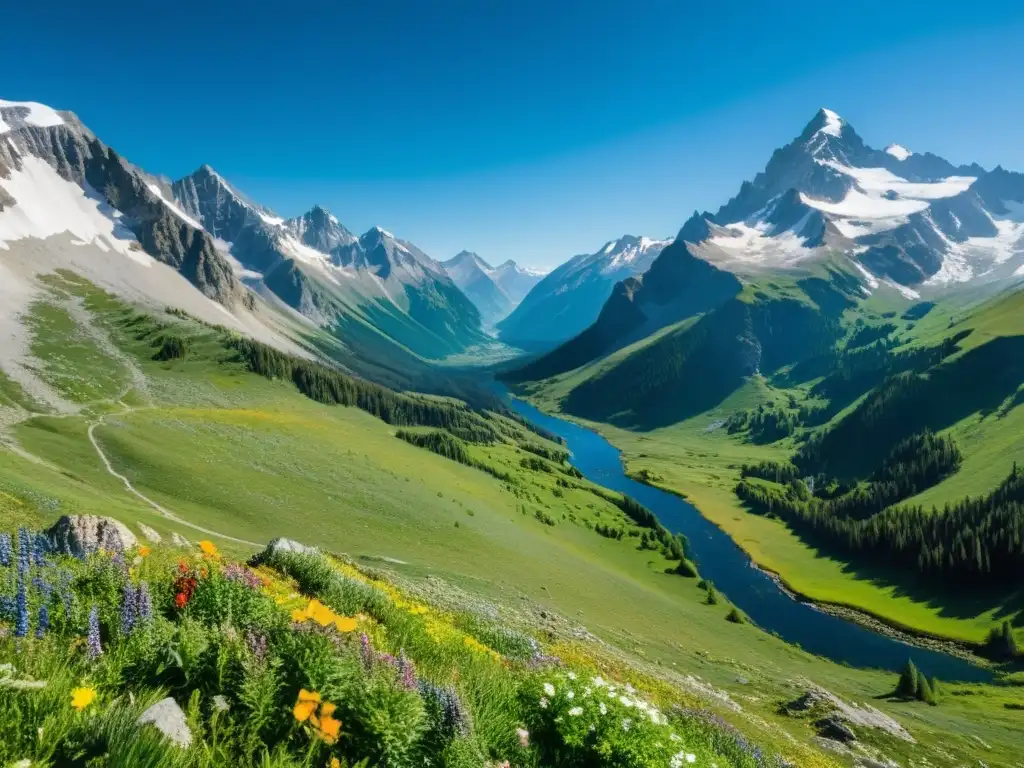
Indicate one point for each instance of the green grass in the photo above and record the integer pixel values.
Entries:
(252, 458)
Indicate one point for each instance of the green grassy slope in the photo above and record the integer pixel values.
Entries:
(973, 397)
(251, 458)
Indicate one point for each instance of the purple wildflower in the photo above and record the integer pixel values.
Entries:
(257, 645)
(6, 549)
(95, 648)
(21, 609)
(129, 609)
(44, 621)
(144, 603)
(406, 670)
(366, 651)
(66, 595)
(7, 606)
(239, 573)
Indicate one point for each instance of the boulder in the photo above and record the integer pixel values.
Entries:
(834, 728)
(82, 535)
(166, 716)
(281, 546)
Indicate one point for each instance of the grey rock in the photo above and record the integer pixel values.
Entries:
(834, 728)
(280, 546)
(166, 716)
(82, 535)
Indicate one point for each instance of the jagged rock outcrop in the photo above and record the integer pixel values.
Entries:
(83, 535)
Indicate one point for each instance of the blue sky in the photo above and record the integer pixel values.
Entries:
(527, 130)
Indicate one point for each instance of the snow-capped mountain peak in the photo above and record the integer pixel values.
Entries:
(320, 229)
(833, 123)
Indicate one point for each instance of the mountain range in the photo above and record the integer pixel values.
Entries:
(494, 290)
(570, 297)
(826, 210)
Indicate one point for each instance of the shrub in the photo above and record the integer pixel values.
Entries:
(735, 616)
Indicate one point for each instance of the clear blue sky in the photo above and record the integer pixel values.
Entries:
(518, 129)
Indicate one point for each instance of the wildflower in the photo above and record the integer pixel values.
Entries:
(570, 694)
(6, 549)
(543, 703)
(603, 708)
(626, 722)
(180, 600)
(24, 552)
(257, 645)
(95, 649)
(21, 608)
(365, 650)
(406, 670)
(549, 689)
(243, 575)
(345, 623)
(44, 621)
(220, 703)
(129, 609)
(571, 675)
(599, 681)
(145, 551)
(330, 729)
(144, 602)
(576, 711)
(209, 548)
(82, 698)
(306, 705)
(335, 763)
(524, 737)
(626, 701)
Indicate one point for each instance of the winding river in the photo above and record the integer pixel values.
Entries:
(755, 592)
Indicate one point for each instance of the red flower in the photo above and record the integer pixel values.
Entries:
(182, 567)
(180, 599)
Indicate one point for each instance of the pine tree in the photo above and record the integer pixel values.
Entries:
(1009, 641)
(924, 690)
(906, 688)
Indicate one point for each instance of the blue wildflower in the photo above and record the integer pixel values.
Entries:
(44, 621)
(144, 603)
(95, 648)
(37, 543)
(21, 609)
(406, 670)
(6, 550)
(129, 609)
(24, 551)
(42, 586)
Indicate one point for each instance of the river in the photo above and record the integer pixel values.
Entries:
(752, 590)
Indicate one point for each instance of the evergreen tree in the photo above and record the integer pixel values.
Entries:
(924, 690)
(907, 686)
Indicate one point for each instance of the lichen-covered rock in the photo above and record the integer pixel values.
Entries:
(166, 716)
(281, 546)
(834, 728)
(82, 535)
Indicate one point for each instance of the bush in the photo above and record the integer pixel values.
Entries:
(172, 348)
(686, 568)
(735, 616)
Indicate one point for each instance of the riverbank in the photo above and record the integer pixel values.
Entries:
(879, 624)
(707, 465)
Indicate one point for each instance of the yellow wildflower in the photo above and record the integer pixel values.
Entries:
(82, 697)
(304, 710)
(299, 615)
(329, 729)
(209, 548)
(145, 551)
(305, 695)
(335, 763)
(345, 624)
(322, 615)
(327, 709)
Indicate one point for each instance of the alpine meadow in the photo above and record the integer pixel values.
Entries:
(274, 493)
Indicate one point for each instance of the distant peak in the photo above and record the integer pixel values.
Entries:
(378, 233)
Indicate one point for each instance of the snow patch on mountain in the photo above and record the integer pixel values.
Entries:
(28, 113)
(155, 189)
(871, 280)
(898, 151)
(759, 241)
(47, 204)
(881, 181)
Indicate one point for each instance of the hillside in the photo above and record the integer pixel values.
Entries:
(484, 520)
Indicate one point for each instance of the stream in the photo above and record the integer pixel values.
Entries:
(752, 590)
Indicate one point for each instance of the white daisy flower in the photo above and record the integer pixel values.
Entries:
(570, 694)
